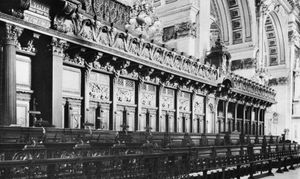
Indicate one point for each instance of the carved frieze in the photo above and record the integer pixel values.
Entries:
(243, 64)
(38, 13)
(109, 11)
(179, 30)
(278, 81)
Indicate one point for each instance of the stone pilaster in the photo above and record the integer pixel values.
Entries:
(9, 40)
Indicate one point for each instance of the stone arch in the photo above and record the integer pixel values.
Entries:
(223, 17)
(275, 47)
(234, 18)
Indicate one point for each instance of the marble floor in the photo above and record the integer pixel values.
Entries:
(291, 174)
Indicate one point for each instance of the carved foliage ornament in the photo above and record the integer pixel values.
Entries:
(10, 33)
(58, 46)
(92, 30)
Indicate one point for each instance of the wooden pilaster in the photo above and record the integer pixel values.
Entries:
(235, 116)
(159, 112)
(177, 114)
(258, 122)
(58, 47)
(193, 95)
(87, 73)
(10, 34)
(114, 109)
(138, 117)
(226, 125)
(244, 119)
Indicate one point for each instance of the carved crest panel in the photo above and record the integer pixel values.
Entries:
(148, 95)
(167, 99)
(184, 101)
(99, 86)
(199, 104)
(125, 91)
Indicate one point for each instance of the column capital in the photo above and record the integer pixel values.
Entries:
(59, 46)
(10, 33)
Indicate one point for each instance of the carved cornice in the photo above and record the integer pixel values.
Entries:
(10, 33)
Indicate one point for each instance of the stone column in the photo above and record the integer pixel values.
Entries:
(58, 47)
(10, 34)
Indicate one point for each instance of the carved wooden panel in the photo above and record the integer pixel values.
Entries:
(23, 72)
(71, 81)
(75, 117)
(99, 87)
(22, 113)
(119, 120)
(143, 120)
